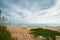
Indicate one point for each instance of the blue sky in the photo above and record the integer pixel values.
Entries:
(31, 11)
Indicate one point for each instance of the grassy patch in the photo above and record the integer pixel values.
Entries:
(5, 34)
(45, 33)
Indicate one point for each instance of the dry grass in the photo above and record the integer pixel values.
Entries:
(22, 32)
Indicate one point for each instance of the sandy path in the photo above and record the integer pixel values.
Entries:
(20, 32)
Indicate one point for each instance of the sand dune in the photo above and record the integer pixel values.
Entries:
(22, 32)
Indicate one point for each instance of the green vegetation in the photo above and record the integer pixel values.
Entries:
(46, 33)
(5, 34)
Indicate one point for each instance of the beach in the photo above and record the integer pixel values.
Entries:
(22, 32)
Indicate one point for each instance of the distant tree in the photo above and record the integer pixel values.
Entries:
(0, 14)
(3, 19)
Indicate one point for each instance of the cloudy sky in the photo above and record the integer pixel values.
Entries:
(31, 11)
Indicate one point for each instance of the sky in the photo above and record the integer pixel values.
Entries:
(31, 11)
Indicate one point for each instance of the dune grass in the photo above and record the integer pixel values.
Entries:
(46, 33)
(5, 34)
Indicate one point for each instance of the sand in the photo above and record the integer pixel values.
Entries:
(22, 32)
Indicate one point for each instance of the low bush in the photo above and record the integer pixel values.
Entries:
(45, 33)
(3, 27)
(5, 34)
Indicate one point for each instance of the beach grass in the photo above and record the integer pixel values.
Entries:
(46, 33)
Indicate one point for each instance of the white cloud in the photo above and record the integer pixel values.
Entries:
(32, 15)
(48, 17)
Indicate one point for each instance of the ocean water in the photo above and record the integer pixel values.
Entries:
(48, 25)
(24, 24)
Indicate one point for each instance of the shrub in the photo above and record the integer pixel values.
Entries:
(4, 33)
(3, 27)
(45, 33)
